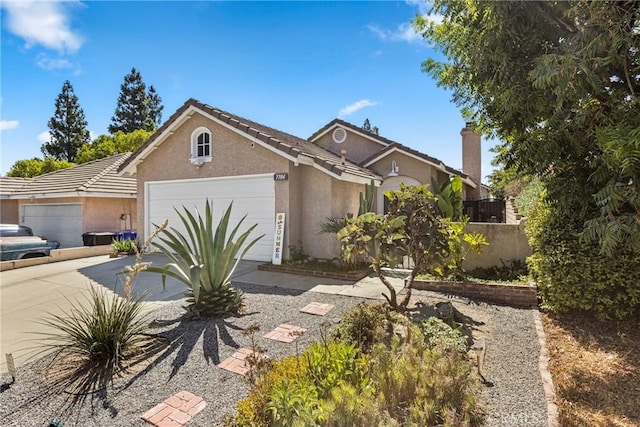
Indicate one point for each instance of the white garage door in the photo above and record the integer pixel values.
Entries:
(55, 221)
(252, 195)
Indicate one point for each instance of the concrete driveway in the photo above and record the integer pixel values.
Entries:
(28, 294)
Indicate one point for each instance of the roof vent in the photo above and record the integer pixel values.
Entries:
(339, 135)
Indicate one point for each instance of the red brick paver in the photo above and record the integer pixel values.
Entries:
(285, 333)
(317, 308)
(237, 363)
(175, 411)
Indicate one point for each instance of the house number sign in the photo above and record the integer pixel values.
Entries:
(280, 176)
(278, 240)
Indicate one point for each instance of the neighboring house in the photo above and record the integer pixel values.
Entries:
(64, 204)
(202, 152)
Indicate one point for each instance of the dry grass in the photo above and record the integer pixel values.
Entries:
(595, 367)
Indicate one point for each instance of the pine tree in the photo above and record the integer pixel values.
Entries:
(155, 107)
(67, 127)
(136, 108)
(366, 125)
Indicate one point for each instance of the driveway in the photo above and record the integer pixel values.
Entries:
(28, 294)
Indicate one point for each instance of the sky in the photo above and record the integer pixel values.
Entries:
(293, 66)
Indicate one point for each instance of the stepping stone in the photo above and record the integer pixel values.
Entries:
(285, 333)
(237, 363)
(176, 410)
(317, 308)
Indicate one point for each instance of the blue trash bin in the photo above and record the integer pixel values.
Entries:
(126, 235)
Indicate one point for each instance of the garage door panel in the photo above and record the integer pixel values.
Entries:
(252, 195)
(61, 222)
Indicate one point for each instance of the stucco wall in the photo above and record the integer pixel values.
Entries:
(358, 148)
(316, 207)
(407, 166)
(232, 154)
(9, 211)
(506, 242)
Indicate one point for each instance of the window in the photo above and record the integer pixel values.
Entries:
(201, 145)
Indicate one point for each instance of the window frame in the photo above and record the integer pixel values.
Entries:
(195, 135)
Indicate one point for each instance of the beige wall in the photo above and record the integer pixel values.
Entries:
(407, 166)
(506, 242)
(9, 211)
(358, 148)
(99, 213)
(232, 154)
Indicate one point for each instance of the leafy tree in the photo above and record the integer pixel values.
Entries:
(366, 125)
(67, 127)
(108, 145)
(414, 227)
(559, 83)
(136, 108)
(34, 167)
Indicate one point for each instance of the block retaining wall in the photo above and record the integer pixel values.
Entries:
(513, 295)
(327, 274)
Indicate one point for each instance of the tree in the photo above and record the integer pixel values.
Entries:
(67, 128)
(559, 83)
(136, 109)
(367, 126)
(34, 167)
(414, 227)
(108, 145)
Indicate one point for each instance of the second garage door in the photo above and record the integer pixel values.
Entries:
(55, 221)
(252, 195)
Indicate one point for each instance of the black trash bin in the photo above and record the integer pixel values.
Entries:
(97, 238)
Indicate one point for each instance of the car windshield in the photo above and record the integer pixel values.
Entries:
(10, 230)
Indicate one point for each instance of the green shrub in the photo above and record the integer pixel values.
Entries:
(528, 196)
(124, 246)
(437, 333)
(366, 324)
(511, 271)
(105, 332)
(574, 275)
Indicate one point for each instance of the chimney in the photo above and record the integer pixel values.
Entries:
(472, 158)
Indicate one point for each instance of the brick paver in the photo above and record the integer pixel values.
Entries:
(175, 411)
(317, 308)
(285, 333)
(236, 363)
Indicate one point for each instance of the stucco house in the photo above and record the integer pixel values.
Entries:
(203, 152)
(64, 204)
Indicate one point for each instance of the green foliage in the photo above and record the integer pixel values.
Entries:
(557, 83)
(136, 108)
(449, 197)
(106, 331)
(438, 334)
(365, 325)
(35, 167)
(67, 128)
(128, 246)
(108, 145)
(297, 253)
(413, 227)
(529, 196)
(332, 225)
(460, 245)
(571, 274)
(204, 261)
(511, 271)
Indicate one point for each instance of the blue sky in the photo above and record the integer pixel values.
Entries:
(293, 66)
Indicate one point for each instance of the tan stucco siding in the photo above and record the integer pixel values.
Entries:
(358, 148)
(102, 214)
(407, 166)
(232, 155)
(9, 211)
(316, 207)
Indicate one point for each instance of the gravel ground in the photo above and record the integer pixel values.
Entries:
(514, 395)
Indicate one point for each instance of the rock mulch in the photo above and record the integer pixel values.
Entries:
(512, 396)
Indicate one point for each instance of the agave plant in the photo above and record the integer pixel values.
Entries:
(204, 261)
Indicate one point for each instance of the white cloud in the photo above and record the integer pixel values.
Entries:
(44, 23)
(44, 137)
(8, 124)
(405, 32)
(359, 105)
(47, 63)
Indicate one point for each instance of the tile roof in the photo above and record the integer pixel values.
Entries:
(93, 179)
(283, 142)
(388, 143)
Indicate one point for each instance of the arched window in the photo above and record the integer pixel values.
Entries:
(201, 149)
(392, 184)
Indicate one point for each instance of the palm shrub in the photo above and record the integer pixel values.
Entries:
(204, 261)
